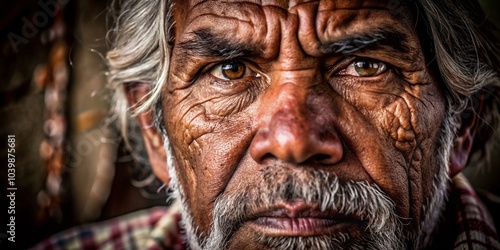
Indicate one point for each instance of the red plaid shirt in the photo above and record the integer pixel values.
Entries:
(152, 229)
(471, 227)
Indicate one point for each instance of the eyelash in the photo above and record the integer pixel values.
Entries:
(250, 68)
(343, 65)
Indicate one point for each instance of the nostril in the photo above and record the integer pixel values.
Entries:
(324, 159)
(321, 157)
(267, 156)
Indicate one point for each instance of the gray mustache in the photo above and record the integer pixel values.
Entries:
(359, 199)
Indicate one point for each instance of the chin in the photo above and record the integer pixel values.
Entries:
(345, 237)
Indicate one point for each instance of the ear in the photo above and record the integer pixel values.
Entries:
(136, 92)
(465, 137)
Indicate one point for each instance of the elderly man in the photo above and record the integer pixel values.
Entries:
(332, 124)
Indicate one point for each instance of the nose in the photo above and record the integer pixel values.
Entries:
(294, 134)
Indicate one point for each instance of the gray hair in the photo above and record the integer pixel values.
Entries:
(140, 52)
(466, 48)
(460, 43)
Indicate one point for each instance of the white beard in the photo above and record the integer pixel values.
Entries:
(434, 208)
(367, 201)
(383, 233)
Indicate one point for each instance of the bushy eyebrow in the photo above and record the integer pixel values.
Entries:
(204, 43)
(373, 40)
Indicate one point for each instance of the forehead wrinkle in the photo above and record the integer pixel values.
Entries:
(203, 3)
(336, 30)
(250, 15)
(284, 4)
(292, 4)
(230, 19)
(353, 4)
(256, 27)
(288, 4)
(337, 21)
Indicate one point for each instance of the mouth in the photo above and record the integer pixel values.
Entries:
(300, 219)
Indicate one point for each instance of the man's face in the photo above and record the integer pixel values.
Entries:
(302, 118)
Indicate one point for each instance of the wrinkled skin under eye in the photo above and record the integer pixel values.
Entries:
(364, 68)
(231, 70)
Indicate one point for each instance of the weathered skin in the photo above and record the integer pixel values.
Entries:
(297, 106)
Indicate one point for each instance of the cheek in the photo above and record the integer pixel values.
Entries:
(186, 123)
(414, 125)
(413, 121)
(207, 147)
(407, 120)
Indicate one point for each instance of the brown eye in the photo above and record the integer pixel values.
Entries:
(229, 70)
(364, 68)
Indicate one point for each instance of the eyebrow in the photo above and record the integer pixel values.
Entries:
(204, 43)
(373, 40)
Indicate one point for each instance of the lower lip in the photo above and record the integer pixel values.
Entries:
(301, 226)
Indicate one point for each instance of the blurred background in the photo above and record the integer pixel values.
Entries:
(71, 163)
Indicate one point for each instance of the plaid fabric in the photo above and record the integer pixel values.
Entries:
(474, 225)
(155, 228)
(158, 228)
